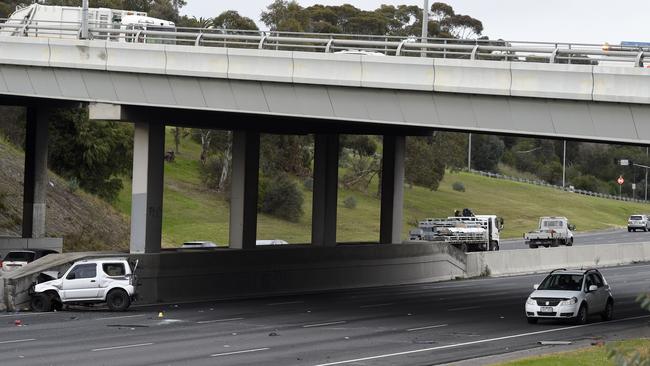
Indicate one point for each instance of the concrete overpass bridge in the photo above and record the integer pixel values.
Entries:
(301, 83)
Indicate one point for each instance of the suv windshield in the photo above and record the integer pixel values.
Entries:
(638, 218)
(19, 257)
(565, 282)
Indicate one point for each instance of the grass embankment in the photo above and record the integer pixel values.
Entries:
(191, 212)
(591, 356)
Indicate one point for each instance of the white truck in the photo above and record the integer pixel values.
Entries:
(467, 233)
(88, 282)
(52, 21)
(551, 232)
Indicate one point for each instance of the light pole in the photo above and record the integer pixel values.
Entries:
(564, 166)
(469, 152)
(425, 25)
(84, 19)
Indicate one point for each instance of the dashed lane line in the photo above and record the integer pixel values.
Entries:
(121, 347)
(18, 341)
(322, 324)
(427, 327)
(219, 320)
(239, 352)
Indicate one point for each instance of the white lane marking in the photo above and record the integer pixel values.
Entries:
(218, 320)
(121, 347)
(239, 352)
(18, 341)
(20, 315)
(285, 303)
(375, 305)
(428, 327)
(477, 342)
(464, 308)
(120, 317)
(322, 324)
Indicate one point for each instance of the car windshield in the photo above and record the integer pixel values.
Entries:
(565, 282)
(636, 218)
(19, 257)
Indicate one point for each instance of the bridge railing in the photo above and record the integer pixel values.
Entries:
(473, 49)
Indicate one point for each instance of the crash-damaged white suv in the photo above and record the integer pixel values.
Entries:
(88, 281)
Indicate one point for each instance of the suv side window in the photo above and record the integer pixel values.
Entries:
(114, 269)
(83, 271)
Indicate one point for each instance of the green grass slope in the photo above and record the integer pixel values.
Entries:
(192, 212)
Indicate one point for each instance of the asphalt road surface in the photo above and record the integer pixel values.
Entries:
(400, 325)
(591, 238)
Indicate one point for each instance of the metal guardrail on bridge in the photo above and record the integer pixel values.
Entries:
(474, 49)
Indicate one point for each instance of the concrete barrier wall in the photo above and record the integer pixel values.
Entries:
(196, 275)
(523, 79)
(522, 261)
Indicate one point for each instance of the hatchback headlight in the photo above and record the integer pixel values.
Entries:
(570, 301)
(530, 301)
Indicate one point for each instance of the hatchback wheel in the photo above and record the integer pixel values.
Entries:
(608, 314)
(581, 318)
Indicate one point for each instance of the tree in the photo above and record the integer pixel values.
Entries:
(486, 152)
(284, 15)
(422, 167)
(95, 154)
(231, 19)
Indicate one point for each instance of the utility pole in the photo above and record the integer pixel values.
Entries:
(564, 166)
(425, 25)
(84, 19)
(646, 175)
(469, 152)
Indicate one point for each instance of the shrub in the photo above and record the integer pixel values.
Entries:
(282, 198)
(350, 202)
(73, 185)
(308, 184)
(458, 187)
(210, 172)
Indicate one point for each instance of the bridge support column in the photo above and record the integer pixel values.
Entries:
(243, 192)
(147, 192)
(35, 186)
(325, 190)
(392, 190)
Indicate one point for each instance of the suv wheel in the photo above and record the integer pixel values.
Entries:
(118, 300)
(608, 314)
(581, 318)
(41, 303)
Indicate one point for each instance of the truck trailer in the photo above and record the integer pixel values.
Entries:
(467, 233)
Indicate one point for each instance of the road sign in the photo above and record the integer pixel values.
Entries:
(633, 186)
(620, 180)
(624, 162)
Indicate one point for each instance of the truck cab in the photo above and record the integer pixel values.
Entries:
(88, 281)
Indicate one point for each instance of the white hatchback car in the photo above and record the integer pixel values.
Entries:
(571, 294)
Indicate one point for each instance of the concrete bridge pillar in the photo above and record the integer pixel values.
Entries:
(243, 192)
(392, 190)
(326, 179)
(147, 193)
(35, 186)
